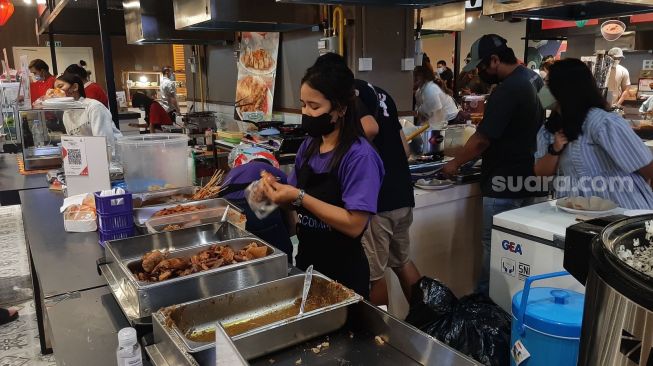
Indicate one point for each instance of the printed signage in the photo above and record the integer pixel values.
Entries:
(512, 247)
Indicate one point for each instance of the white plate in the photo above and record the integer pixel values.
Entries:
(584, 212)
(433, 184)
(267, 71)
(58, 100)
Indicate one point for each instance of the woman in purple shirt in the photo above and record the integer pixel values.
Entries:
(335, 185)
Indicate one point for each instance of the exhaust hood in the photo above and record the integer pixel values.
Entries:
(418, 3)
(244, 15)
(152, 22)
(567, 9)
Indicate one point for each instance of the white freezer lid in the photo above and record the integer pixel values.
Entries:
(542, 220)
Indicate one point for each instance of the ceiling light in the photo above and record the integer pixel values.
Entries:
(470, 20)
(28, 2)
(41, 2)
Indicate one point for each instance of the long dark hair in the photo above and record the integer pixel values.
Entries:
(76, 70)
(331, 77)
(141, 100)
(73, 79)
(425, 73)
(572, 84)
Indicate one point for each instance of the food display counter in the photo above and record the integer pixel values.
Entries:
(79, 316)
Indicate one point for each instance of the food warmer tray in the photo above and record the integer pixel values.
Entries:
(351, 342)
(138, 300)
(141, 215)
(144, 199)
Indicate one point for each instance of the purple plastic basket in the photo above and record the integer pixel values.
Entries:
(114, 235)
(112, 205)
(109, 223)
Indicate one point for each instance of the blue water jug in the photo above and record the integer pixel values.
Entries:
(548, 322)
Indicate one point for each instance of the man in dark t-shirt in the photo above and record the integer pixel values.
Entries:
(386, 240)
(505, 138)
(445, 73)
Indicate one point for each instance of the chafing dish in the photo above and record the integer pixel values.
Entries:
(161, 197)
(367, 336)
(141, 215)
(258, 301)
(196, 218)
(139, 300)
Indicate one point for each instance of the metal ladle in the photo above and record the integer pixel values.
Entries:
(221, 228)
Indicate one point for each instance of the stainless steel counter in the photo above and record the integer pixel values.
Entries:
(64, 261)
(85, 327)
(12, 182)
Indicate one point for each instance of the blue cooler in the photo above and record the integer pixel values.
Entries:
(548, 322)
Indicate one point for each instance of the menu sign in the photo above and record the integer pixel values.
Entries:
(257, 68)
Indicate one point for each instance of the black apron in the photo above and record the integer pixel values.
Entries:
(332, 253)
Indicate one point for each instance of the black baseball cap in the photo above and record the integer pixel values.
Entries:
(483, 48)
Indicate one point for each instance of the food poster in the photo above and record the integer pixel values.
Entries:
(257, 69)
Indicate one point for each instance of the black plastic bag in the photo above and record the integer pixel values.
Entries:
(473, 325)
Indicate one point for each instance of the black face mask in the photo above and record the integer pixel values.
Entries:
(318, 126)
(487, 78)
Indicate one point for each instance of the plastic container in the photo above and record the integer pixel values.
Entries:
(154, 161)
(115, 222)
(129, 351)
(548, 322)
(116, 204)
(114, 235)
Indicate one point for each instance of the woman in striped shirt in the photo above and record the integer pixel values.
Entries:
(592, 152)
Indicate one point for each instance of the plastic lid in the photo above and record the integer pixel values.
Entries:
(127, 337)
(553, 311)
(152, 139)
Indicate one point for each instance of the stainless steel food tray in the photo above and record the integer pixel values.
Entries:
(246, 304)
(197, 218)
(139, 300)
(141, 215)
(145, 199)
(353, 343)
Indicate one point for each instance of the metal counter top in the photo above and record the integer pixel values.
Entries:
(85, 327)
(64, 262)
(11, 181)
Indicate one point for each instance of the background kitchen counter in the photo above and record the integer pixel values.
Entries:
(445, 240)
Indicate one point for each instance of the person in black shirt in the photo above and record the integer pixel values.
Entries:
(505, 138)
(445, 73)
(386, 239)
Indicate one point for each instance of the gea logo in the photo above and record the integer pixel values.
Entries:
(511, 247)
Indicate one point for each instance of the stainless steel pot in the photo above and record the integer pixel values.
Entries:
(618, 314)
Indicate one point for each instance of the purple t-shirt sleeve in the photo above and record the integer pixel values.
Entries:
(292, 179)
(361, 174)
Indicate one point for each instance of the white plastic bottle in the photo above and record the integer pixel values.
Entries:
(129, 351)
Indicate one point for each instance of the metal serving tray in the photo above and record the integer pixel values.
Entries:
(190, 219)
(139, 300)
(141, 215)
(144, 199)
(245, 304)
(353, 343)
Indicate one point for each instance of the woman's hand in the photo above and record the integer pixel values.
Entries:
(281, 194)
(560, 141)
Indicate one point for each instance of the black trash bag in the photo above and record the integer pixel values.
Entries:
(473, 325)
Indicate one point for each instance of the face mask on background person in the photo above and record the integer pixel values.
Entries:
(318, 126)
(37, 77)
(440, 70)
(546, 98)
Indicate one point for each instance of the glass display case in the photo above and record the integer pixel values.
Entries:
(40, 134)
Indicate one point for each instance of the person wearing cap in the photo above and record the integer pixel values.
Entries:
(469, 83)
(247, 165)
(505, 138)
(168, 89)
(619, 78)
